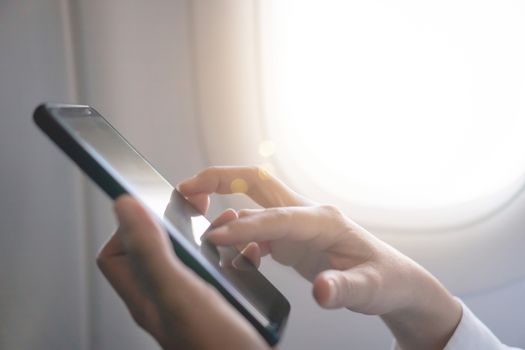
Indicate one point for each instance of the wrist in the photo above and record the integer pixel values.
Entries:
(428, 319)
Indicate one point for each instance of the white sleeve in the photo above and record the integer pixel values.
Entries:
(472, 334)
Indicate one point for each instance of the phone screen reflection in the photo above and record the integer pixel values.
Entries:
(192, 225)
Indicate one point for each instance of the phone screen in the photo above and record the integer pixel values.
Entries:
(183, 222)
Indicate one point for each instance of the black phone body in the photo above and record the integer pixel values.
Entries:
(111, 162)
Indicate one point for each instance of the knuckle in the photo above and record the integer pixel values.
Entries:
(335, 216)
(285, 216)
(243, 212)
(281, 213)
(331, 210)
(373, 284)
(261, 175)
(100, 261)
(373, 278)
(349, 286)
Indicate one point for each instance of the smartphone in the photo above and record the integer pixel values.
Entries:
(118, 168)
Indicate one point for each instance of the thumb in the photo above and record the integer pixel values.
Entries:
(201, 201)
(353, 288)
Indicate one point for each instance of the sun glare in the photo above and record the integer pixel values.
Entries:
(398, 104)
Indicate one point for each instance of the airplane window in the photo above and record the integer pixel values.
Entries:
(401, 105)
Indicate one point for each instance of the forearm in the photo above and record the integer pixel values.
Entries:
(429, 320)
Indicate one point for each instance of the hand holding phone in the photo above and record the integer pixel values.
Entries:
(163, 296)
(110, 161)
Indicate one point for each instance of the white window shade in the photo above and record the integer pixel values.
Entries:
(412, 112)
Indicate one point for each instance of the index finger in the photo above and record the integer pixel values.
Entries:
(255, 182)
(315, 226)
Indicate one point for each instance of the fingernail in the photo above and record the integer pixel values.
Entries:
(242, 263)
(332, 291)
(218, 231)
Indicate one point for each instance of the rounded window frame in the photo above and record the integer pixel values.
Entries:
(455, 252)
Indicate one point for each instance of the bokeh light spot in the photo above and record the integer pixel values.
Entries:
(239, 186)
(267, 148)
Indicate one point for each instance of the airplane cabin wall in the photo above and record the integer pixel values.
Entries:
(135, 62)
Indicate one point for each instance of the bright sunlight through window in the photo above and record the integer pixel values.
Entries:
(399, 104)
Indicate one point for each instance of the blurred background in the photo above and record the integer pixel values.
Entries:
(408, 115)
